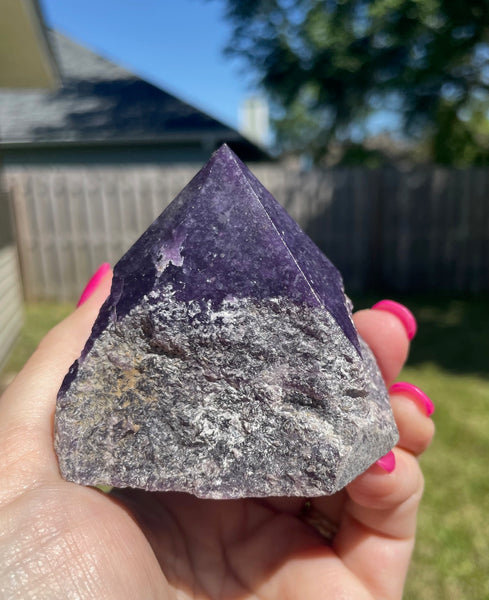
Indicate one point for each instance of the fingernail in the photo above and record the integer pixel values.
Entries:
(387, 462)
(402, 313)
(403, 387)
(92, 285)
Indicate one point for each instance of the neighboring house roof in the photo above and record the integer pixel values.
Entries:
(100, 102)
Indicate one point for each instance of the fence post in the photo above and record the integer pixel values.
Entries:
(22, 236)
(375, 276)
(11, 313)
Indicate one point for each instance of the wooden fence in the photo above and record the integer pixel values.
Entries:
(11, 312)
(413, 230)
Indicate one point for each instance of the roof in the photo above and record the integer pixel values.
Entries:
(26, 57)
(100, 102)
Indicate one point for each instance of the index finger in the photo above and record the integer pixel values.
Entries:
(387, 338)
(27, 406)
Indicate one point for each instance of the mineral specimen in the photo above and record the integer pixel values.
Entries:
(225, 362)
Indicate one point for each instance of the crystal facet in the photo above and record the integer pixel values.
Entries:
(225, 362)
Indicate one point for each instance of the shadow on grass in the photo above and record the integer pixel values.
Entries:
(453, 332)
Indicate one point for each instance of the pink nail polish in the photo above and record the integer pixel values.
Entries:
(92, 285)
(403, 387)
(387, 462)
(402, 313)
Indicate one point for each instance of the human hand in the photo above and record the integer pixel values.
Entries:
(62, 540)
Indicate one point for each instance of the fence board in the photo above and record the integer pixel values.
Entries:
(415, 229)
(10, 300)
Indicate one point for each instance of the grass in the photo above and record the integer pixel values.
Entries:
(452, 551)
(39, 318)
(450, 361)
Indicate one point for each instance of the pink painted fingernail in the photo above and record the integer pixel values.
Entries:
(387, 462)
(92, 285)
(403, 387)
(402, 313)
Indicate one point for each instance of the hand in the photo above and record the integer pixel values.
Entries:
(62, 540)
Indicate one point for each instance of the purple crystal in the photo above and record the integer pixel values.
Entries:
(225, 362)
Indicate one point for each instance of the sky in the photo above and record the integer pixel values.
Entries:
(175, 44)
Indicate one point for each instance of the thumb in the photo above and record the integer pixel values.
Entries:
(27, 406)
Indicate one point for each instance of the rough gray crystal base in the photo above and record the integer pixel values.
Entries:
(216, 403)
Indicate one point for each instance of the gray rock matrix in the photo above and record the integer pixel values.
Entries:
(250, 398)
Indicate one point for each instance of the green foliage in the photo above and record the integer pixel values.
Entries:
(328, 64)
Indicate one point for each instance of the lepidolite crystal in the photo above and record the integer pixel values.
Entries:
(224, 362)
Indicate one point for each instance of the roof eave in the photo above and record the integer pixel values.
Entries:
(209, 139)
(170, 138)
(26, 57)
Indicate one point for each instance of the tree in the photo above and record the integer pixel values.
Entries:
(328, 65)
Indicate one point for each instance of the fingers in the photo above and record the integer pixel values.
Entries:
(38, 382)
(416, 428)
(386, 502)
(27, 406)
(387, 329)
(379, 521)
(376, 537)
(387, 337)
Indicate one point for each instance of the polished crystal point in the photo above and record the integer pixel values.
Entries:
(225, 362)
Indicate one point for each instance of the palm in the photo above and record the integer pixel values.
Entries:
(145, 545)
(227, 548)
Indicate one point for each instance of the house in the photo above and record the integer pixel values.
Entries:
(104, 114)
(26, 56)
(91, 164)
(26, 61)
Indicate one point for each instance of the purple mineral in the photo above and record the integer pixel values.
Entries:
(225, 362)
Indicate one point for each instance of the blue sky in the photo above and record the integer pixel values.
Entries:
(175, 44)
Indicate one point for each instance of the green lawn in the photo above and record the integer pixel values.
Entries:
(38, 320)
(450, 361)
